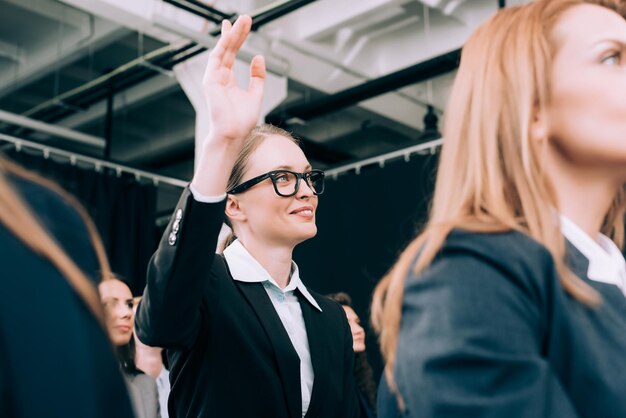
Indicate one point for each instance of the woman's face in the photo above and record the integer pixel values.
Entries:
(279, 220)
(118, 308)
(586, 117)
(358, 333)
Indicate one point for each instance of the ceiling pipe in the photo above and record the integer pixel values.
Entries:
(197, 9)
(381, 160)
(275, 11)
(213, 10)
(53, 130)
(96, 163)
(306, 110)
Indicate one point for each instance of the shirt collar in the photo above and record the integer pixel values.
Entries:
(606, 262)
(245, 268)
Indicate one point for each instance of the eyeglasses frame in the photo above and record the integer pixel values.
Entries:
(272, 176)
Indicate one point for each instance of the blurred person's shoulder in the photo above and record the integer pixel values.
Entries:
(497, 247)
(48, 205)
(61, 220)
(472, 259)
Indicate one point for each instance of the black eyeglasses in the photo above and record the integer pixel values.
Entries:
(286, 183)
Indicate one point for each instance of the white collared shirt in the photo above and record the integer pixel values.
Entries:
(245, 268)
(163, 387)
(606, 261)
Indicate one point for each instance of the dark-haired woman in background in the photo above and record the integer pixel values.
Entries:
(118, 302)
(363, 374)
(55, 357)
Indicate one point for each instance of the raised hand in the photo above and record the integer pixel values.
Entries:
(233, 111)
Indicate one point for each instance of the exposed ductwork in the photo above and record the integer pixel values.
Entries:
(147, 66)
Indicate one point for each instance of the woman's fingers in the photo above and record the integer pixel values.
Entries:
(257, 76)
(226, 26)
(215, 66)
(237, 35)
(224, 53)
(241, 31)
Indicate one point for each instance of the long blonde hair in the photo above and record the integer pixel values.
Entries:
(490, 175)
(17, 216)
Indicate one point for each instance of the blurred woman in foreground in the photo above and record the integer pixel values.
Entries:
(56, 357)
(511, 301)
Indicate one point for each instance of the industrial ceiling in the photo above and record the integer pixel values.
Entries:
(360, 75)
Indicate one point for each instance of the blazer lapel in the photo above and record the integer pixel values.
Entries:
(576, 261)
(287, 359)
(579, 264)
(314, 322)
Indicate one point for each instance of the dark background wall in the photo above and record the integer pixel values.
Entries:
(364, 221)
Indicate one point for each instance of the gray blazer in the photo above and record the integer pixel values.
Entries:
(144, 395)
(488, 331)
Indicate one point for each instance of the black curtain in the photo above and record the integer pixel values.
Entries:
(364, 221)
(122, 208)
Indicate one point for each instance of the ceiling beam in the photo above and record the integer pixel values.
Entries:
(53, 130)
(431, 68)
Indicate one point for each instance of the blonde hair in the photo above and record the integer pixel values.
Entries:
(19, 219)
(254, 139)
(490, 175)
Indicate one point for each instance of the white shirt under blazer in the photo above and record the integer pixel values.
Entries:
(238, 345)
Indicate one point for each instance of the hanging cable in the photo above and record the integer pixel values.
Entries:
(431, 120)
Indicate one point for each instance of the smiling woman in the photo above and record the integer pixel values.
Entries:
(245, 336)
(274, 154)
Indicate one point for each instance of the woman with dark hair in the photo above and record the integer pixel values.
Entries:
(363, 374)
(56, 359)
(118, 303)
(245, 337)
(512, 301)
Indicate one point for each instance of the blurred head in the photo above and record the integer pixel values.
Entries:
(584, 123)
(259, 212)
(520, 117)
(518, 106)
(117, 300)
(20, 219)
(358, 333)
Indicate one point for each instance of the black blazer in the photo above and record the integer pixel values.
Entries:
(55, 358)
(229, 353)
(488, 331)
